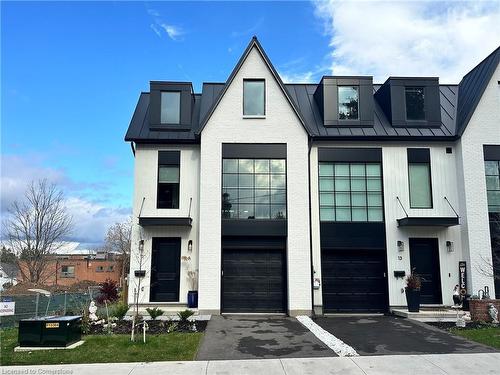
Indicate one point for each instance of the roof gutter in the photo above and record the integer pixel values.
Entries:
(132, 147)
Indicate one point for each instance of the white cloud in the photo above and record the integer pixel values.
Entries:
(159, 26)
(91, 219)
(298, 77)
(156, 29)
(409, 38)
(172, 31)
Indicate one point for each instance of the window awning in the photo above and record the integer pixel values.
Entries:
(165, 221)
(428, 221)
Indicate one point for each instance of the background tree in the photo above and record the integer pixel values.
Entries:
(118, 240)
(7, 256)
(36, 227)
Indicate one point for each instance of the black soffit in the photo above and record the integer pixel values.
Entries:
(428, 221)
(166, 221)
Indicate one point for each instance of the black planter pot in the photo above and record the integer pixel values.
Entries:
(413, 299)
(193, 299)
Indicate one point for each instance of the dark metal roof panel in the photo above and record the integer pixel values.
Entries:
(302, 95)
(471, 88)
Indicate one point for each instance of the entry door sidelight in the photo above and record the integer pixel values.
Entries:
(424, 258)
(165, 269)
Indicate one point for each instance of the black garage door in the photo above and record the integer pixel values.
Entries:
(354, 281)
(253, 280)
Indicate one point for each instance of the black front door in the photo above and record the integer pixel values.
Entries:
(165, 269)
(253, 280)
(424, 259)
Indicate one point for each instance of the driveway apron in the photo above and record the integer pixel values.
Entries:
(392, 335)
(247, 337)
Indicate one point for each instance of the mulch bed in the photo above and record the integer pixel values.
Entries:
(154, 327)
(446, 326)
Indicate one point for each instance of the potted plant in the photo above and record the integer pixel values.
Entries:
(412, 291)
(192, 275)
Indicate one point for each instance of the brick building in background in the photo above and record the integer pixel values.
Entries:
(72, 265)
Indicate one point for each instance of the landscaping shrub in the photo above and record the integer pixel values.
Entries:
(185, 315)
(108, 292)
(119, 310)
(154, 312)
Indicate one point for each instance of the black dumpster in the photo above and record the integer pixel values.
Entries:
(50, 331)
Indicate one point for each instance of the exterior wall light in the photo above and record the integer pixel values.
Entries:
(401, 246)
(190, 245)
(449, 246)
(141, 245)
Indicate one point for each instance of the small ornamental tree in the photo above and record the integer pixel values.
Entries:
(108, 292)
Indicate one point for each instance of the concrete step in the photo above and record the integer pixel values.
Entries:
(430, 315)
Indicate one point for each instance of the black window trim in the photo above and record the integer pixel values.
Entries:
(158, 179)
(176, 124)
(254, 219)
(406, 107)
(243, 97)
(420, 159)
(345, 152)
(357, 120)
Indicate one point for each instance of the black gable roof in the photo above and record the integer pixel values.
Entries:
(472, 87)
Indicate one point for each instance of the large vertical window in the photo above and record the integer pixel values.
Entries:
(253, 188)
(415, 110)
(419, 177)
(170, 107)
(168, 179)
(348, 102)
(350, 192)
(254, 97)
(492, 168)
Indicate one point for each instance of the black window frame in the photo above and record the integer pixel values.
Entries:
(419, 156)
(497, 176)
(264, 96)
(180, 104)
(168, 158)
(350, 191)
(424, 118)
(254, 189)
(357, 119)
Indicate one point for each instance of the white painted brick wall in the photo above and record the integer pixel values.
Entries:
(483, 129)
(395, 181)
(145, 185)
(280, 126)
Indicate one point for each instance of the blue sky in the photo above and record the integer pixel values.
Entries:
(71, 73)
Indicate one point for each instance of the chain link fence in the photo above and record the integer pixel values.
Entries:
(39, 304)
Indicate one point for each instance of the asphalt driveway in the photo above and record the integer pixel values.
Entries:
(383, 335)
(245, 337)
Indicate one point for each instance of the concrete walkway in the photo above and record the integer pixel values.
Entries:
(431, 364)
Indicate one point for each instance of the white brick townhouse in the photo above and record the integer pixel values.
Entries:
(292, 198)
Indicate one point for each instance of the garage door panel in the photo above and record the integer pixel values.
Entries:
(354, 281)
(253, 280)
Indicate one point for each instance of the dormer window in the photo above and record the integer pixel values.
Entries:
(348, 102)
(415, 110)
(254, 93)
(170, 107)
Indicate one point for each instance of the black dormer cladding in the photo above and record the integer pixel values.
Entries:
(326, 97)
(186, 103)
(391, 98)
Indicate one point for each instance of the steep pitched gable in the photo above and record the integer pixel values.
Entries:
(472, 87)
(254, 43)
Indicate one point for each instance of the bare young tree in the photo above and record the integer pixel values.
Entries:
(491, 267)
(36, 227)
(118, 240)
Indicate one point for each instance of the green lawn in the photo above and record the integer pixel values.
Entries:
(488, 335)
(105, 348)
